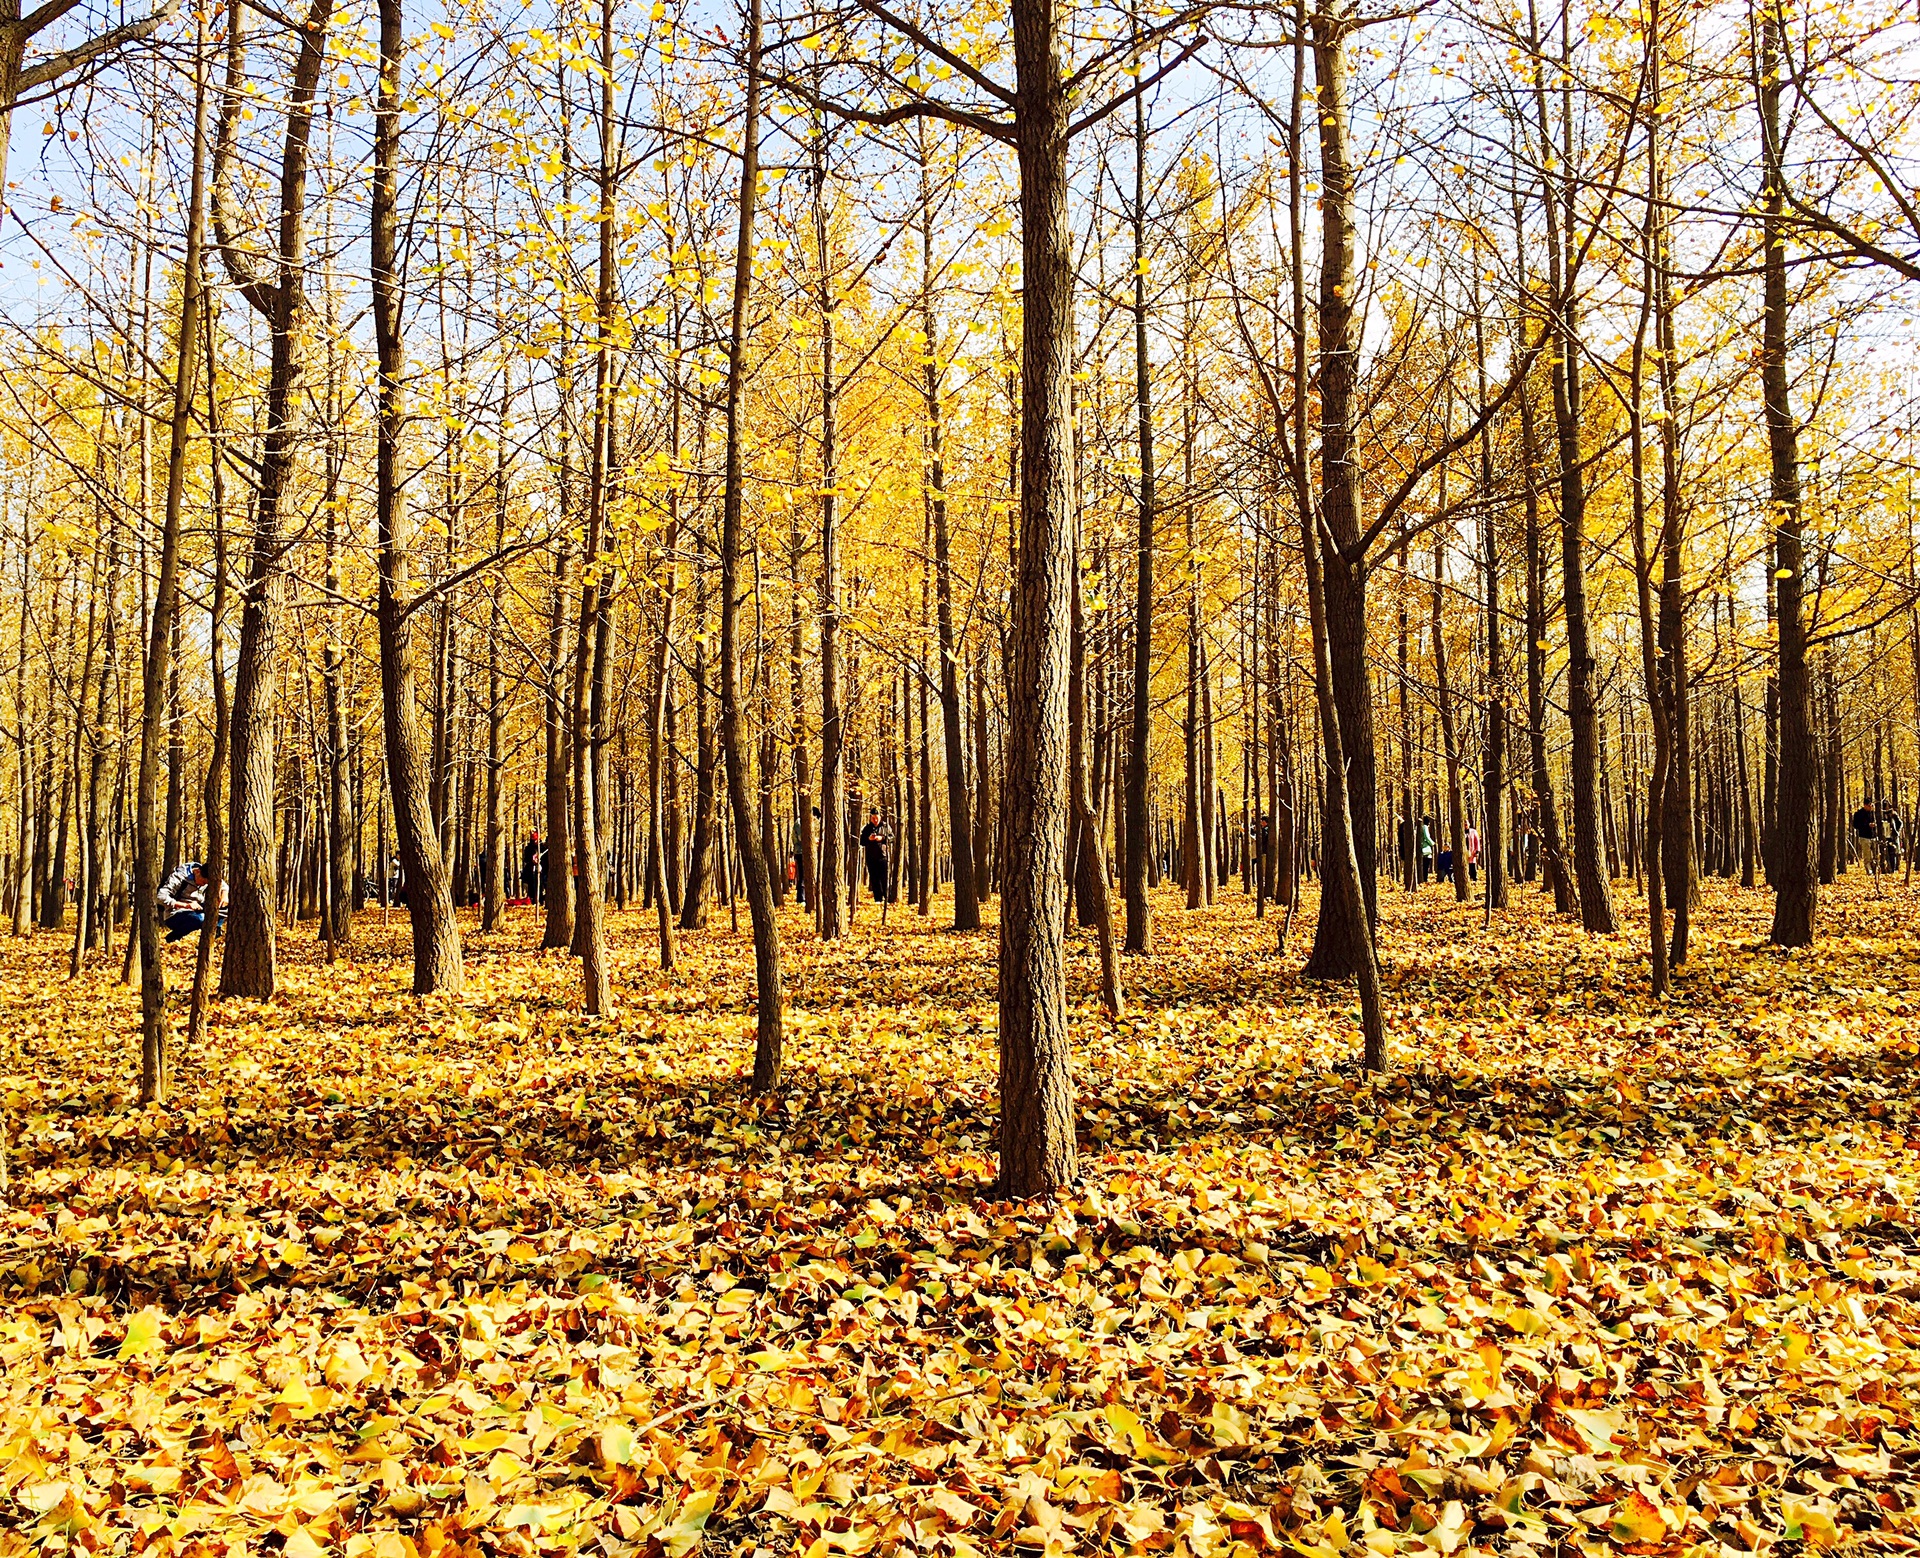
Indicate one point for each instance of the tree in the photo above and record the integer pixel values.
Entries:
(769, 997)
(437, 966)
(275, 287)
(163, 636)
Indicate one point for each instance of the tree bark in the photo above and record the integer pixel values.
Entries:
(1796, 879)
(1583, 715)
(1037, 1148)
(1342, 947)
(437, 963)
(769, 1005)
(278, 295)
(1139, 850)
(161, 671)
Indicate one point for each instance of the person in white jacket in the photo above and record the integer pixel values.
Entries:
(183, 900)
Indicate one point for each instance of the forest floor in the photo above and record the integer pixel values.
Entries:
(397, 1276)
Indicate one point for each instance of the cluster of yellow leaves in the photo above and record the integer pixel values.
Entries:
(398, 1278)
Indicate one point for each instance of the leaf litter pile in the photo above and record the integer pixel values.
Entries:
(397, 1277)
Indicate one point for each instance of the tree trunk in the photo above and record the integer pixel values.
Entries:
(1139, 850)
(248, 967)
(436, 934)
(1493, 787)
(1449, 739)
(1796, 882)
(493, 894)
(1559, 879)
(212, 798)
(1583, 715)
(1037, 1149)
(162, 669)
(593, 644)
(768, 996)
(1342, 947)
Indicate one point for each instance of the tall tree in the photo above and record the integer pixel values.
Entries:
(275, 287)
(437, 965)
(769, 997)
(1796, 873)
(156, 1028)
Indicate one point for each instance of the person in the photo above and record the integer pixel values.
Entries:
(1443, 868)
(1473, 853)
(1426, 847)
(183, 900)
(1877, 826)
(1261, 835)
(530, 867)
(873, 844)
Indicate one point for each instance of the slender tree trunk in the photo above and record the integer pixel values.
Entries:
(1583, 715)
(660, 838)
(1559, 878)
(493, 890)
(769, 1005)
(1094, 879)
(966, 900)
(1796, 881)
(698, 889)
(1657, 669)
(1343, 937)
(1449, 738)
(1139, 850)
(592, 646)
(1493, 786)
(212, 796)
(162, 670)
(831, 909)
(436, 934)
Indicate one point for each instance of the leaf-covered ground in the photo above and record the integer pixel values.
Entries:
(399, 1277)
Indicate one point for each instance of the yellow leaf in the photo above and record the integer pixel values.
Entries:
(1129, 1427)
(143, 1334)
(684, 1534)
(302, 1545)
(1635, 1519)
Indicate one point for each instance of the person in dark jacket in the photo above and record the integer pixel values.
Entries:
(530, 868)
(874, 839)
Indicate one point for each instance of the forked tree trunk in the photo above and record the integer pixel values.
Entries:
(278, 295)
(1583, 714)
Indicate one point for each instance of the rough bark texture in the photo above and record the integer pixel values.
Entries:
(1037, 1151)
(1343, 935)
(278, 295)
